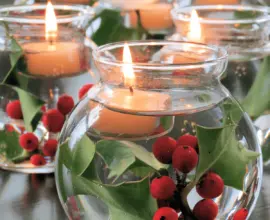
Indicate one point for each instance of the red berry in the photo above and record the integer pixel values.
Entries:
(53, 120)
(29, 141)
(206, 209)
(188, 140)
(65, 104)
(162, 188)
(14, 109)
(83, 90)
(210, 186)
(184, 159)
(50, 147)
(37, 160)
(43, 108)
(9, 128)
(163, 149)
(165, 213)
(241, 214)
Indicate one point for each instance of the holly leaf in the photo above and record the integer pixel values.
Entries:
(10, 147)
(82, 155)
(31, 106)
(223, 154)
(15, 55)
(79, 159)
(65, 155)
(167, 122)
(258, 100)
(123, 155)
(266, 149)
(232, 113)
(140, 169)
(126, 201)
(111, 28)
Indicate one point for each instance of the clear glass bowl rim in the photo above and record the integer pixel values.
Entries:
(177, 13)
(222, 55)
(81, 9)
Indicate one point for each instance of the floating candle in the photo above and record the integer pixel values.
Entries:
(153, 16)
(130, 101)
(52, 58)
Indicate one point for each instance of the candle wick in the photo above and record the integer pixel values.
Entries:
(131, 90)
(51, 46)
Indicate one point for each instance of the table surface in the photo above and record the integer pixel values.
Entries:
(34, 197)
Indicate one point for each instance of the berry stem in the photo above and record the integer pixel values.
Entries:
(181, 180)
(188, 215)
(186, 211)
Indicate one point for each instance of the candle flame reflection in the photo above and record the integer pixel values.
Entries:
(127, 67)
(50, 23)
(195, 31)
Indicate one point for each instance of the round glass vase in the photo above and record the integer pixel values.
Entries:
(116, 140)
(41, 71)
(244, 31)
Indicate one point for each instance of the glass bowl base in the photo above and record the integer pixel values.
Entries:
(26, 167)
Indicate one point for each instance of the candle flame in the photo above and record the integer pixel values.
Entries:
(195, 31)
(127, 67)
(50, 23)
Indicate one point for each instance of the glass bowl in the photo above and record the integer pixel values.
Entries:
(42, 70)
(244, 31)
(111, 144)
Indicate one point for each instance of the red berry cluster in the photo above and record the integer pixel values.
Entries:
(183, 155)
(30, 143)
(54, 119)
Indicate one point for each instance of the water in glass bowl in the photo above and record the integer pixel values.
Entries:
(49, 90)
(108, 159)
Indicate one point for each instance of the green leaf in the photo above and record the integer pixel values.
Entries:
(83, 155)
(15, 55)
(112, 29)
(222, 153)
(258, 99)
(122, 155)
(11, 148)
(79, 160)
(140, 169)
(116, 155)
(31, 106)
(167, 122)
(232, 113)
(65, 155)
(22, 157)
(266, 149)
(126, 201)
